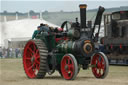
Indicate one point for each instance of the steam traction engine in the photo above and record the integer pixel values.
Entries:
(66, 51)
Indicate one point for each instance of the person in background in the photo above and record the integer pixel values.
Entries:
(10, 52)
(1, 52)
(36, 32)
(17, 52)
(4, 52)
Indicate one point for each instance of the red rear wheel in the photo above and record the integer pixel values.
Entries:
(69, 67)
(32, 59)
(100, 65)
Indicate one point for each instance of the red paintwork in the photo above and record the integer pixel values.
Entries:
(111, 46)
(34, 17)
(99, 63)
(62, 38)
(67, 62)
(31, 67)
(58, 39)
(120, 46)
(60, 29)
(122, 12)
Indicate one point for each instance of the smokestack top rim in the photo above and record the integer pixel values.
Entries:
(83, 6)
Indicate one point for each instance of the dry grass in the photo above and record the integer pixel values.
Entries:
(12, 73)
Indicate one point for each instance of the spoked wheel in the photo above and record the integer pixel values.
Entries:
(69, 67)
(35, 59)
(100, 65)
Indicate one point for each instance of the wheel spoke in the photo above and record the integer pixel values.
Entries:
(37, 61)
(68, 61)
(34, 66)
(97, 59)
(101, 61)
(37, 57)
(37, 66)
(29, 54)
(99, 71)
(30, 50)
(37, 53)
(65, 61)
(34, 47)
(102, 66)
(70, 67)
(95, 70)
(27, 58)
(34, 72)
(30, 67)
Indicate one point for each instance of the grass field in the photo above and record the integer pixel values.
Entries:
(12, 73)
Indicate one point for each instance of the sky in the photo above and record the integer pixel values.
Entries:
(56, 5)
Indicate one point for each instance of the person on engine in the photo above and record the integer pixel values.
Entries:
(36, 32)
(44, 27)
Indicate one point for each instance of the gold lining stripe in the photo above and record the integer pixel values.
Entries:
(87, 41)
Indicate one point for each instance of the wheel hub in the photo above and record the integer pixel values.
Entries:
(98, 65)
(33, 59)
(66, 67)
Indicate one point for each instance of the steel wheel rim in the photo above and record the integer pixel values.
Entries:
(67, 67)
(31, 59)
(99, 65)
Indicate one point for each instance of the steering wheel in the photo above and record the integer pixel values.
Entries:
(66, 25)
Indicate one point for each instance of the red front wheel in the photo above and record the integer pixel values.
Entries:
(100, 65)
(69, 67)
(35, 59)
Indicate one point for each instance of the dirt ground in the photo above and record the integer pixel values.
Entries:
(12, 73)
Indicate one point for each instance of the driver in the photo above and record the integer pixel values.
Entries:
(36, 32)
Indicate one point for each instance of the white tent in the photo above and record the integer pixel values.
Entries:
(20, 28)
